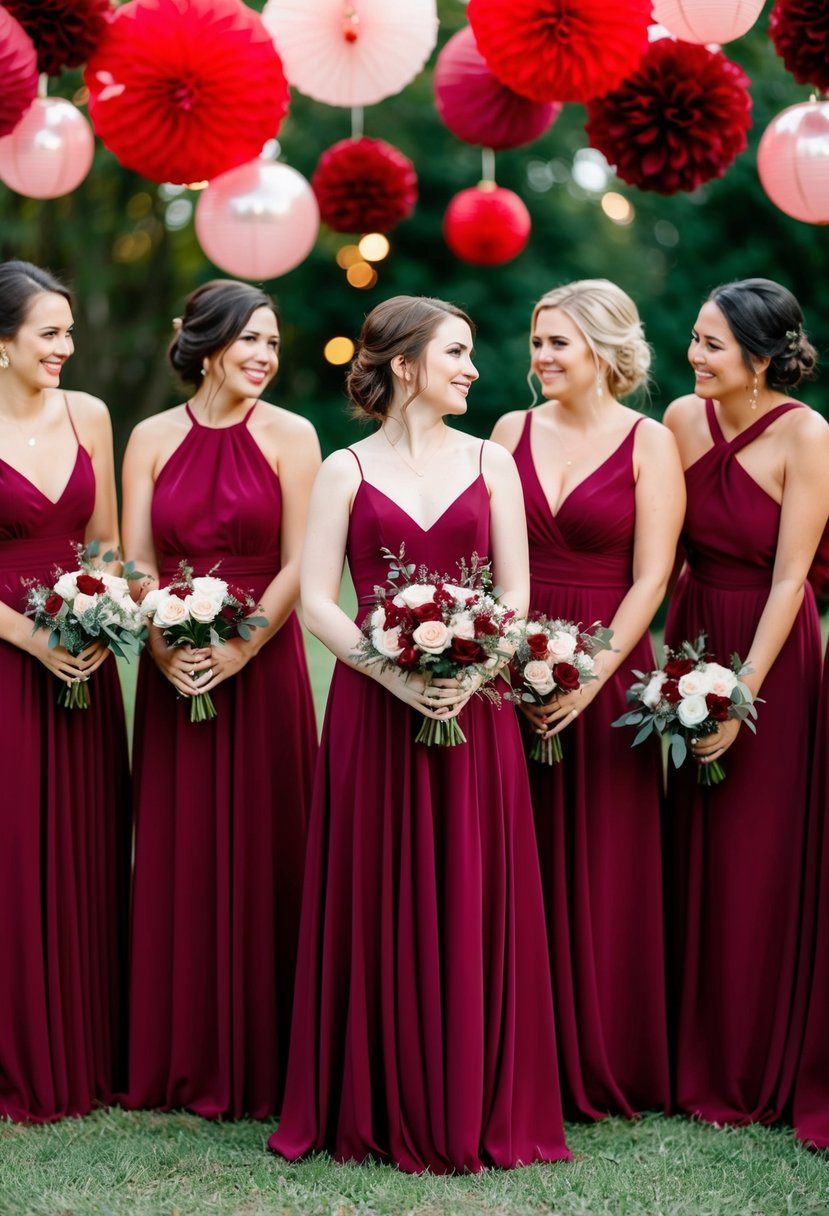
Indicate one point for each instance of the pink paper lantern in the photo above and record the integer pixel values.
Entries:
(707, 20)
(793, 161)
(50, 150)
(486, 225)
(476, 107)
(258, 221)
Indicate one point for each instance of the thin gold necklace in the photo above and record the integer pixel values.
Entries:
(31, 440)
(408, 464)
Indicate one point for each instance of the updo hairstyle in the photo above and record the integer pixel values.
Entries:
(214, 316)
(767, 320)
(609, 321)
(20, 282)
(403, 325)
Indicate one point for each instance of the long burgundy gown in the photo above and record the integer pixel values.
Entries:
(597, 813)
(423, 1022)
(737, 849)
(221, 813)
(64, 838)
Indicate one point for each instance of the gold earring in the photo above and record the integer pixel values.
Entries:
(4, 356)
(754, 394)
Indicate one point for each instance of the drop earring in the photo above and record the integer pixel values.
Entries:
(4, 356)
(599, 384)
(754, 393)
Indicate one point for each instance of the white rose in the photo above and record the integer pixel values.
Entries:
(387, 642)
(692, 710)
(694, 684)
(202, 608)
(653, 690)
(214, 588)
(562, 646)
(117, 587)
(723, 680)
(461, 594)
(431, 636)
(150, 602)
(67, 585)
(83, 603)
(463, 626)
(533, 627)
(170, 611)
(377, 620)
(538, 675)
(417, 595)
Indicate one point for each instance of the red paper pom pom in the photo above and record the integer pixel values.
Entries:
(799, 30)
(183, 92)
(65, 32)
(678, 121)
(18, 71)
(364, 185)
(561, 50)
(474, 104)
(486, 225)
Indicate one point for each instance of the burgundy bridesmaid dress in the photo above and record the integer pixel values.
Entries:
(737, 849)
(597, 813)
(221, 813)
(423, 1022)
(64, 838)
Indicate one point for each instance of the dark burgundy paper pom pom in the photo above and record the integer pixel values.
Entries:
(799, 30)
(364, 185)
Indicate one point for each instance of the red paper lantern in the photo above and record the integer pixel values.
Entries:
(364, 185)
(707, 20)
(50, 150)
(793, 161)
(18, 71)
(486, 225)
(182, 92)
(474, 104)
(65, 32)
(257, 221)
(678, 121)
(561, 50)
(799, 30)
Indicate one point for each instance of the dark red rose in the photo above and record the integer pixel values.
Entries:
(90, 585)
(398, 617)
(408, 658)
(566, 676)
(718, 707)
(670, 692)
(485, 626)
(181, 593)
(538, 643)
(465, 651)
(676, 668)
(237, 593)
(427, 612)
(442, 596)
(53, 605)
(229, 613)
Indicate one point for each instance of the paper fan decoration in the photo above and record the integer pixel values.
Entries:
(18, 71)
(352, 52)
(364, 185)
(799, 30)
(65, 32)
(676, 122)
(561, 50)
(183, 90)
(476, 107)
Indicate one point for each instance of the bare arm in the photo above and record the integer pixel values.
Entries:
(94, 427)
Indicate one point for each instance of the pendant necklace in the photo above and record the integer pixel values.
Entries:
(408, 464)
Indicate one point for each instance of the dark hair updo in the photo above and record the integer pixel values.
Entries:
(403, 325)
(20, 282)
(214, 316)
(766, 320)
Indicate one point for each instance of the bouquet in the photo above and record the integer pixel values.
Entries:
(688, 698)
(202, 611)
(88, 605)
(442, 628)
(551, 657)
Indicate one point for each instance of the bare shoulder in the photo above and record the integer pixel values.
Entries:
(807, 426)
(508, 428)
(496, 459)
(683, 412)
(340, 470)
(284, 424)
(654, 438)
(89, 414)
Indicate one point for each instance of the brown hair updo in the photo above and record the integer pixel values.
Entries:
(214, 316)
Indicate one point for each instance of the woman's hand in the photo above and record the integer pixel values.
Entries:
(562, 711)
(439, 699)
(224, 661)
(184, 666)
(61, 663)
(712, 747)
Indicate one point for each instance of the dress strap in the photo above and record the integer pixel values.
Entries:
(481, 458)
(713, 422)
(250, 411)
(760, 424)
(194, 420)
(359, 466)
(71, 419)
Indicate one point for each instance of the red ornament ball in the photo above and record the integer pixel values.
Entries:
(364, 185)
(679, 120)
(65, 32)
(184, 92)
(18, 71)
(799, 30)
(561, 50)
(486, 225)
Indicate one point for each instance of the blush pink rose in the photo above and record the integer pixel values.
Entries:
(431, 636)
(538, 675)
(170, 610)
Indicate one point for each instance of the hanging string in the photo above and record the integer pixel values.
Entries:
(487, 167)
(356, 122)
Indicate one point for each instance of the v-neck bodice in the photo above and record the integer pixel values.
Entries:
(589, 540)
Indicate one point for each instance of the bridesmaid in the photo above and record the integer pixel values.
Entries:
(423, 1022)
(755, 467)
(64, 826)
(604, 497)
(221, 806)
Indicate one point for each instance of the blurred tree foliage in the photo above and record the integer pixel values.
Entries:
(129, 250)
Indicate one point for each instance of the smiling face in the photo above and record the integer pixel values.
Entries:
(247, 366)
(716, 356)
(41, 346)
(561, 358)
(446, 368)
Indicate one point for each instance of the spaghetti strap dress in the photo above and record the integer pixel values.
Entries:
(423, 1021)
(737, 850)
(598, 812)
(221, 812)
(64, 838)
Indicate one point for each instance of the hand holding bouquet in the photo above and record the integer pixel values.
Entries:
(554, 656)
(686, 699)
(443, 629)
(201, 612)
(84, 606)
